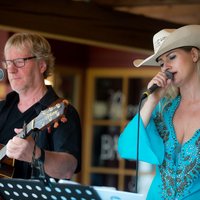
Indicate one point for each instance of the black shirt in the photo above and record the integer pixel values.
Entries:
(65, 138)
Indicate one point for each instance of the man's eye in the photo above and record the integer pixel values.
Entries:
(19, 61)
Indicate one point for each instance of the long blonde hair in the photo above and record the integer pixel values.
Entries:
(173, 91)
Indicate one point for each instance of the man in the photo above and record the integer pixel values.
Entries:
(28, 61)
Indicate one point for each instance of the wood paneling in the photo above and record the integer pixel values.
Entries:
(81, 22)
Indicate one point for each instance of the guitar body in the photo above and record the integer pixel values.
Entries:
(6, 166)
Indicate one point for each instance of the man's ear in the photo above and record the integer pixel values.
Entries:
(43, 66)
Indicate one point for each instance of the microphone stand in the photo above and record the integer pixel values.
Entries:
(137, 146)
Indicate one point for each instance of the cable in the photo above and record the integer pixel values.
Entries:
(37, 166)
(33, 163)
(137, 146)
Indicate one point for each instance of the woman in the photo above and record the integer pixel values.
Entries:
(170, 117)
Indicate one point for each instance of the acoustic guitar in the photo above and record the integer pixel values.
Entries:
(43, 120)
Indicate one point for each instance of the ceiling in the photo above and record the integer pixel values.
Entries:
(178, 11)
(120, 24)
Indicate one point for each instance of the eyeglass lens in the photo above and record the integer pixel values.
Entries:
(19, 62)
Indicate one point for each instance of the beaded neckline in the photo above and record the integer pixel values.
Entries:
(180, 167)
(172, 110)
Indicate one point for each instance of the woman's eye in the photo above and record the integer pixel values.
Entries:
(172, 57)
(161, 64)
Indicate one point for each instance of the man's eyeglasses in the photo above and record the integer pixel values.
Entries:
(18, 62)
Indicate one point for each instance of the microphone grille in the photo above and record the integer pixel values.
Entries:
(1, 74)
(169, 75)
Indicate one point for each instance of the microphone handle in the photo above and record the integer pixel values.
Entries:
(1, 74)
(155, 86)
(152, 88)
(149, 91)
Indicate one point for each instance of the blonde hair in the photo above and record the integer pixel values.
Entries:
(173, 91)
(37, 45)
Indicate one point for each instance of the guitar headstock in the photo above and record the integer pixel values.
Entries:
(49, 116)
(46, 118)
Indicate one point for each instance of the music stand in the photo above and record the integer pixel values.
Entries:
(15, 189)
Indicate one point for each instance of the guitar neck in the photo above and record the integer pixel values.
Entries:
(26, 131)
(3, 152)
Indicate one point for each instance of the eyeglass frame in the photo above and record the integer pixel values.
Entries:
(5, 64)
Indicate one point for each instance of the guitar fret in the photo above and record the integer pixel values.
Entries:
(31, 125)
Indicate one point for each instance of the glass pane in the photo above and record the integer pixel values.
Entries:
(108, 98)
(129, 164)
(104, 180)
(135, 89)
(104, 146)
(129, 183)
(65, 87)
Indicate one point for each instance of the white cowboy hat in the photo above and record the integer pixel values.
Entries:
(168, 39)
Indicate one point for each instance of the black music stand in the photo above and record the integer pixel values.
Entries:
(15, 189)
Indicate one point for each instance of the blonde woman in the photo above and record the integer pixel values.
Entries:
(170, 119)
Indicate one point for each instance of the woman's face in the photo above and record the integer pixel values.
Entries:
(181, 63)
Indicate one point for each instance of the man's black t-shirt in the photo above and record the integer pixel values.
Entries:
(65, 138)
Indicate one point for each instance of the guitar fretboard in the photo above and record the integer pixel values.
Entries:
(3, 153)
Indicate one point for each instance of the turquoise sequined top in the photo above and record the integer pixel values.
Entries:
(177, 165)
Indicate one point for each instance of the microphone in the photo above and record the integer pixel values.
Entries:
(155, 86)
(2, 75)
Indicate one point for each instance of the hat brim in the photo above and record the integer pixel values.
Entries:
(150, 61)
(184, 36)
